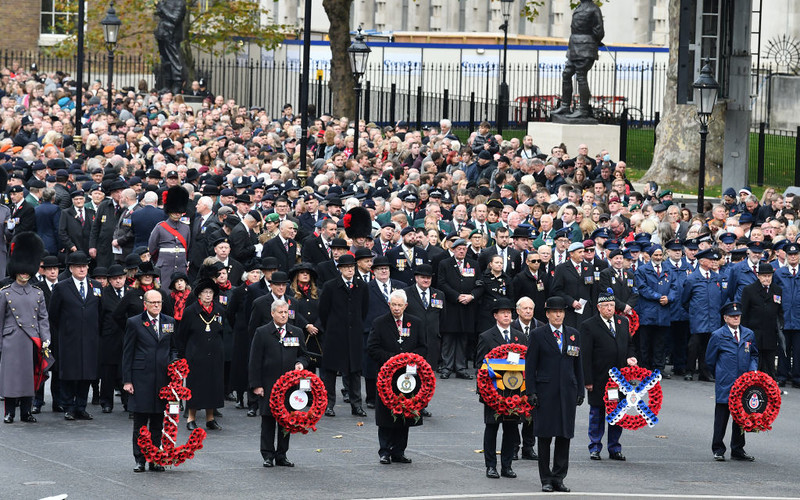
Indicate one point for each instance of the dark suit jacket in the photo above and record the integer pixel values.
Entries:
(601, 351)
(342, 311)
(200, 242)
(47, 216)
(431, 317)
(261, 314)
(377, 302)
(242, 246)
(512, 260)
(625, 292)
(760, 312)
(573, 286)
(270, 358)
(105, 222)
(142, 223)
(111, 335)
(26, 215)
(459, 318)
(326, 271)
(405, 272)
(275, 248)
(72, 233)
(314, 250)
(307, 221)
(145, 357)
(535, 287)
(557, 378)
(76, 323)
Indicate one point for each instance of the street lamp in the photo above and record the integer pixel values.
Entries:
(502, 95)
(705, 96)
(111, 24)
(358, 51)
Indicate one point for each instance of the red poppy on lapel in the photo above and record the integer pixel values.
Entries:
(619, 321)
(408, 325)
(572, 338)
(147, 323)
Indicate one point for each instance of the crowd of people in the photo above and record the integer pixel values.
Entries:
(177, 231)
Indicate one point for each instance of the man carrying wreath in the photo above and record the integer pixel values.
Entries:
(277, 348)
(392, 334)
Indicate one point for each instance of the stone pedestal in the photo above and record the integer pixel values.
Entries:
(194, 102)
(547, 135)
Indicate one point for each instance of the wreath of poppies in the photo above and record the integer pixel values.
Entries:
(633, 322)
(294, 421)
(168, 453)
(401, 404)
(515, 405)
(754, 401)
(633, 397)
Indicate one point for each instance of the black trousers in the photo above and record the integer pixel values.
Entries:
(697, 354)
(766, 362)
(55, 390)
(680, 343)
(154, 422)
(653, 344)
(110, 379)
(454, 352)
(508, 444)
(24, 406)
(558, 472)
(269, 429)
(392, 441)
(353, 386)
(528, 439)
(74, 395)
(721, 416)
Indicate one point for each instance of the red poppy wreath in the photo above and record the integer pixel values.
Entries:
(398, 396)
(632, 397)
(291, 411)
(516, 404)
(754, 401)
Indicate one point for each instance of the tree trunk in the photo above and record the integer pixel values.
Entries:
(341, 79)
(676, 158)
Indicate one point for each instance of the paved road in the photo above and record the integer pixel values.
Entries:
(93, 460)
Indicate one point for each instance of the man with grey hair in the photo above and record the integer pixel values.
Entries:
(122, 244)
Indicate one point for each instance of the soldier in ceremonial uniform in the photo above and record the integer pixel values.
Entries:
(393, 334)
(277, 348)
(605, 344)
(554, 379)
(731, 352)
(169, 241)
(148, 348)
(499, 334)
(26, 328)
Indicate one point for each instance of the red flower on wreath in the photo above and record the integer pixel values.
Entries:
(398, 403)
(515, 405)
(655, 396)
(747, 419)
(294, 421)
(633, 320)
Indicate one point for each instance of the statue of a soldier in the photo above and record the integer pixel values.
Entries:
(169, 35)
(584, 41)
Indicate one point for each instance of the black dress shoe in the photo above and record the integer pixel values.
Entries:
(329, 412)
(781, 383)
(371, 405)
(464, 375)
(284, 462)
(69, 416)
(402, 459)
(240, 406)
(358, 412)
(491, 473)
(156, 467)
(95, 400)
(269, 463)
(595, 455)
(561, 487)
(230, 397)
(509, 473)
(190, 425)
(444, 375)
(36, 410)
(139, 468)
(515, 456)
(213, 425)
(743, 457)
(425, 413)
(688, 376)
(529, 454)
(8, 418)
(28, 418)
(106, 409)
(252, 412)
(385, 460)
(84, 415)
(719, 457)
(58, 409)
(616, 455)
(345, 396)
(547, 488)
(795, 385)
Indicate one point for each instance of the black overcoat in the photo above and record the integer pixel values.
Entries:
(457, 317)
(205, 353)
(431, 319)
(270, 359)
(760, 312)
(601, 351)
(487, 341)
(77, 326)
(342, 311)
(572, 286)
(145, 358)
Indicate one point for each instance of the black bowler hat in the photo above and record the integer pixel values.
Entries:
(279, 277)
(78, 259)
(422, 270)
(501, 305)
(555, 302)
(346, 260)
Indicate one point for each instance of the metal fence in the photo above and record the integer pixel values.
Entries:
(774, 157)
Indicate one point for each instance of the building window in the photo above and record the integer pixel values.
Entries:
(58, 17)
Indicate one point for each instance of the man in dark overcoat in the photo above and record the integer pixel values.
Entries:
(500, 334)
(427, 303)
(147, 350)
(459, 279)
(277, 348)
(105, 222)
(343, 306)
(75, 319)
(762, 308)
(406, 256)
(605, 344)
(111, 338)
(75, 225)
(573, 282)
(554, 379)
(393, 334)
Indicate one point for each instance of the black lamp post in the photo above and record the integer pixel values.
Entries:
(302, 172)
(502, 95)
(111, 24)
(705, 96)
(77, 138)
(359, 53)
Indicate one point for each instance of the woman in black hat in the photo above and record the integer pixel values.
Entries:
(302, 279)
(179, 293)
(497, 286)
(200, 341)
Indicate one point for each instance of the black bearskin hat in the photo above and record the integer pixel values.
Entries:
(25, 254)
(176, 200)
(357, 223)
(3, 179)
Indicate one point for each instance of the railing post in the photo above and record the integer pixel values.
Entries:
(623, 135)
(392, 103)
(761, 142)
(446, 104)
(471, 112)
(797, 158)
(366, 102)
(419, 107)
